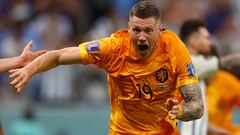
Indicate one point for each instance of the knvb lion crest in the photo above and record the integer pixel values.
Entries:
(162, 75)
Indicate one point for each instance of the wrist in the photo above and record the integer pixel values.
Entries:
(20, 62)
(29, 71)
(180, 110)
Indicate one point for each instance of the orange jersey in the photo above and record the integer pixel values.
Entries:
(138, 89)
(223, 93)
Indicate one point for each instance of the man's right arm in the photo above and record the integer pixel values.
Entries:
(43, 63)
(54, 58)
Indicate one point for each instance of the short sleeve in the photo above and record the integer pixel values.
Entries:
(183, 65)
(100, 52)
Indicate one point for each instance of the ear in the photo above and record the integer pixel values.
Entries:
(129, 26)
(160, 27)
(192, 40)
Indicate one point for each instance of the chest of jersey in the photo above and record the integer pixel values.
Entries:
(151, 80)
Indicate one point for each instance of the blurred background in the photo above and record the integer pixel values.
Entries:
(73, 100)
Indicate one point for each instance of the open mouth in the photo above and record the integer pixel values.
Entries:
(143, 47)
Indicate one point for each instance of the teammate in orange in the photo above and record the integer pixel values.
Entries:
(25, 58)
(146, 65)
(223, 93)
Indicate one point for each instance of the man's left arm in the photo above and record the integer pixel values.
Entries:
(192, 106)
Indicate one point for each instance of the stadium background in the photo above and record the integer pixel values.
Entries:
(73, 100)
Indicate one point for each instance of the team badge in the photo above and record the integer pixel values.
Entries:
(191, 71)
(162, 75)
(93, 47)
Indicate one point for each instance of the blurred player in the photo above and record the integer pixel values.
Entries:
(223, 94)
(197, 38)
(146, 66)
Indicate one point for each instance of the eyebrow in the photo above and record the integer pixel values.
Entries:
(149, 27)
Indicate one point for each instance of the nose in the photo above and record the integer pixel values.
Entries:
(142, 37)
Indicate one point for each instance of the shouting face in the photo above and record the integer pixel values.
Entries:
(144, 33)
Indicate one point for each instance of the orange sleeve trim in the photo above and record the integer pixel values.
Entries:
(186, 82)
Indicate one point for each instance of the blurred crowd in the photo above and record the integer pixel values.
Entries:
(54, 24)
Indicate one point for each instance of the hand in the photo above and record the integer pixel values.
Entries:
(27, 56)
(173, 108)
(20, 78)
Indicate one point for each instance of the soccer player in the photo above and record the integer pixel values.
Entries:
(147, 67)
(197, 39)
(25, 58)
(223, 95)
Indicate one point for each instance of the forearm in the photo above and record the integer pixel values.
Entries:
(190, 111)
(192, 106)
(70, 55)
(10, 63)
(43, 63)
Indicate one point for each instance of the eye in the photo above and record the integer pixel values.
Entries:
(148, 30)
(136, 30)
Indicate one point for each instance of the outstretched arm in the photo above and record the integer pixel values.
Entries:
(20, 61)
(10, 63)
(43, 63)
